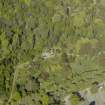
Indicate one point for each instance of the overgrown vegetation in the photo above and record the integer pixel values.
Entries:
(50, 48)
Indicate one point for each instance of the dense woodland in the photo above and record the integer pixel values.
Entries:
(50, 48)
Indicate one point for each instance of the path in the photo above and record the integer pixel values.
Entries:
(98, 97)
(17, 68)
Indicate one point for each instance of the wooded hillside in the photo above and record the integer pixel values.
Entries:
(50, 48)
